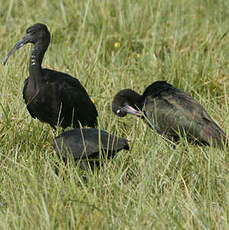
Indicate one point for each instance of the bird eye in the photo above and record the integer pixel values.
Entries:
(118, 111)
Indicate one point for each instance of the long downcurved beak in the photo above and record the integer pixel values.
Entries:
(18, 45)
(131, 110)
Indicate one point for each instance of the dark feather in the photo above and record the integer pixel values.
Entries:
(86, 144)
(51, 96)
(173, 113)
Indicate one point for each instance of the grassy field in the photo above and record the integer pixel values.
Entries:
(108, 46)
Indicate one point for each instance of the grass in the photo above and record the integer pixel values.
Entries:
(108, 46)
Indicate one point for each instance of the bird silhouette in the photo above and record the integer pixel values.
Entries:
(172, 112)
(86, 144)
(51, 96)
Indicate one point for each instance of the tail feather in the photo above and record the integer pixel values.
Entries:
(212, 133)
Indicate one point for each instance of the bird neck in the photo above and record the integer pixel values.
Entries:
(136, 100)
(139, 102)
(36, 58)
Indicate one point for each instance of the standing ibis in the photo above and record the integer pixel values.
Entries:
(172, 112)
(51, 96)
(84, 145)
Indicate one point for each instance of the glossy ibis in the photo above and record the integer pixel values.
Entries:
(51, 96)
(172, 112)
(85, 144)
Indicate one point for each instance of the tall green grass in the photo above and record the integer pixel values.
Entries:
(108, 46)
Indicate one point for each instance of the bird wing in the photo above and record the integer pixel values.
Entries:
(73, 96)
(84, 143)
(77, 100)
(172, 111)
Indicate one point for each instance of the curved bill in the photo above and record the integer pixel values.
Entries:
(18, 45)
(131, 110)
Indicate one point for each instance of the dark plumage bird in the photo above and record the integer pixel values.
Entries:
(51, 96)
(85, 144)
(171, 112)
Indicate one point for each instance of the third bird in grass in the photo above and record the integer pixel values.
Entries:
(172, 112)
(51, 96)
(85, 146)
